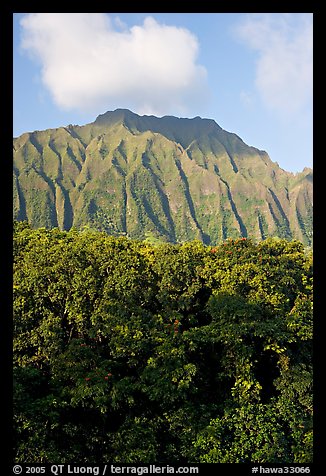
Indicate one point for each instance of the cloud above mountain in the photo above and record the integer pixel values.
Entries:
(91, 61)
(284, 73)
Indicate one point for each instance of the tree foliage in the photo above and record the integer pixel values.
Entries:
(140, 352)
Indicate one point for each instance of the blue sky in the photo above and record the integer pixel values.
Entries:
(251, 73)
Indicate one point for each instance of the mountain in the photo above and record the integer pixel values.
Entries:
(171, 178)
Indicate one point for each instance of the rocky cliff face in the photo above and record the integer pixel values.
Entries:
(176, 179)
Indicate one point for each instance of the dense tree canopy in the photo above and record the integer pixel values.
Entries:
(128, 351)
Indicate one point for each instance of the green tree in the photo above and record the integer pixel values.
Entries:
(137, 352)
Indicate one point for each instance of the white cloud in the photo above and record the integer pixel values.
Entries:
(91, 62)
(284, 73)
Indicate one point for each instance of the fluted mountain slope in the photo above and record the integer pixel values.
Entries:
(176, 179)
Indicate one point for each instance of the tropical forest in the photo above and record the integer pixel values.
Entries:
(142, 351)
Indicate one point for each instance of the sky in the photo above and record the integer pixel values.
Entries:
(251, 73)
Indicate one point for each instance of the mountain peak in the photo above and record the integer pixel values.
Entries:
(113, 117)
(121, 114)
(189, 179)
(180, 129)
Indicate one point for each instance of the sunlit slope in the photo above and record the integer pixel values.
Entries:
(176, 179)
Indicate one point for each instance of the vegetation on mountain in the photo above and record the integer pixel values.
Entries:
(175, 179)
(145, 352)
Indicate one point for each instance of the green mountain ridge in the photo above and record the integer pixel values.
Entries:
(170, 178)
